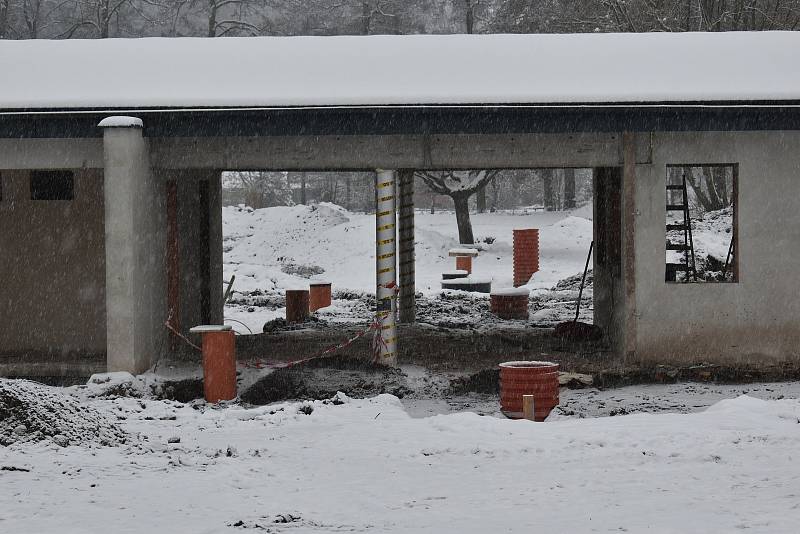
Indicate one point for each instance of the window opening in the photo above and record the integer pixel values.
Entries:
(701, 223)
(52, 185)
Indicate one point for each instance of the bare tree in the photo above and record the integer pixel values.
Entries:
(94, 18)
(460, 186)
(569, 189)
(3, 19)
(263, 189)
(224, 17)
(548, 191)
(702, 15)
(31, 11)
(712, 185)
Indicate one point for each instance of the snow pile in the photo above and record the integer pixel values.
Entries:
(282, 247)
(119, 384)
(31, 412)
(712, 239)
(366, 465)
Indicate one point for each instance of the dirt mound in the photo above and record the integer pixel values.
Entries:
(281, 325)
(578, 331)
(323, 378)
(574, 282)
(31, 412)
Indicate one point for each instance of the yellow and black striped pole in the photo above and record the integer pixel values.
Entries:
(386, 268)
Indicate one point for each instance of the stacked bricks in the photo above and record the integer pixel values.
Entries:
(511, 303)
(297, 309)
(464, 263)
(526, 255)
(539, 379)
(463, 258)
(319, 296)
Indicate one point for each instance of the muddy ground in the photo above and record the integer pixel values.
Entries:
(322, 379)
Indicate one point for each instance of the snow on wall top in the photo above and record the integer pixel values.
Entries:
(121, 122)
(399, 70)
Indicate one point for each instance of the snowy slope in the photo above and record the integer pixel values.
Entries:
(266, 248)
(366, 466)
(260, 245)
(400, 70)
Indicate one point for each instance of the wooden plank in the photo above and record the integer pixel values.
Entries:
(528, 407)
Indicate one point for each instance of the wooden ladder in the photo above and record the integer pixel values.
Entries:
(686, 245)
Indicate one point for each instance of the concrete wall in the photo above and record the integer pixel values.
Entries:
(756, 319)
(59, 276)
(52, 267)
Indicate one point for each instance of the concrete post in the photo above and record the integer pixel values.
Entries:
(386, 269)
(408, 308)
(629, 240)
(134, 249)
(215, 252)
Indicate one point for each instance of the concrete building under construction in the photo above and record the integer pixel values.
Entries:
(111, 154)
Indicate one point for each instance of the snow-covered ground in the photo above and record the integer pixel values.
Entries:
(711, 234)
(272, 249)
(368, 466)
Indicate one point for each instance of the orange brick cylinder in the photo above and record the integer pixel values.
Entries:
(219, 366)
(526, 255)
(319, 296)
(297, 307)
(464, 263)
(539, 379)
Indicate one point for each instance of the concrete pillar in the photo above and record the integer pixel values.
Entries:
(216, 282)
(629, 241)
(609, 298)
(407, 259)
(135, 249)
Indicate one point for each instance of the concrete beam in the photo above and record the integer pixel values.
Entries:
(51, 153)
(135, 252)
(391, 152)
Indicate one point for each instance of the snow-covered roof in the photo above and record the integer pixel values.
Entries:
(399, 70)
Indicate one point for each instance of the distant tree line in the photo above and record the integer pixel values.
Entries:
(64, 19)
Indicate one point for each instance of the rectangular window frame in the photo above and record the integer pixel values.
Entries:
(42, 191)
(735, 223)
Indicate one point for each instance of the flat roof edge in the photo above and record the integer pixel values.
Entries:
(739, 104)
